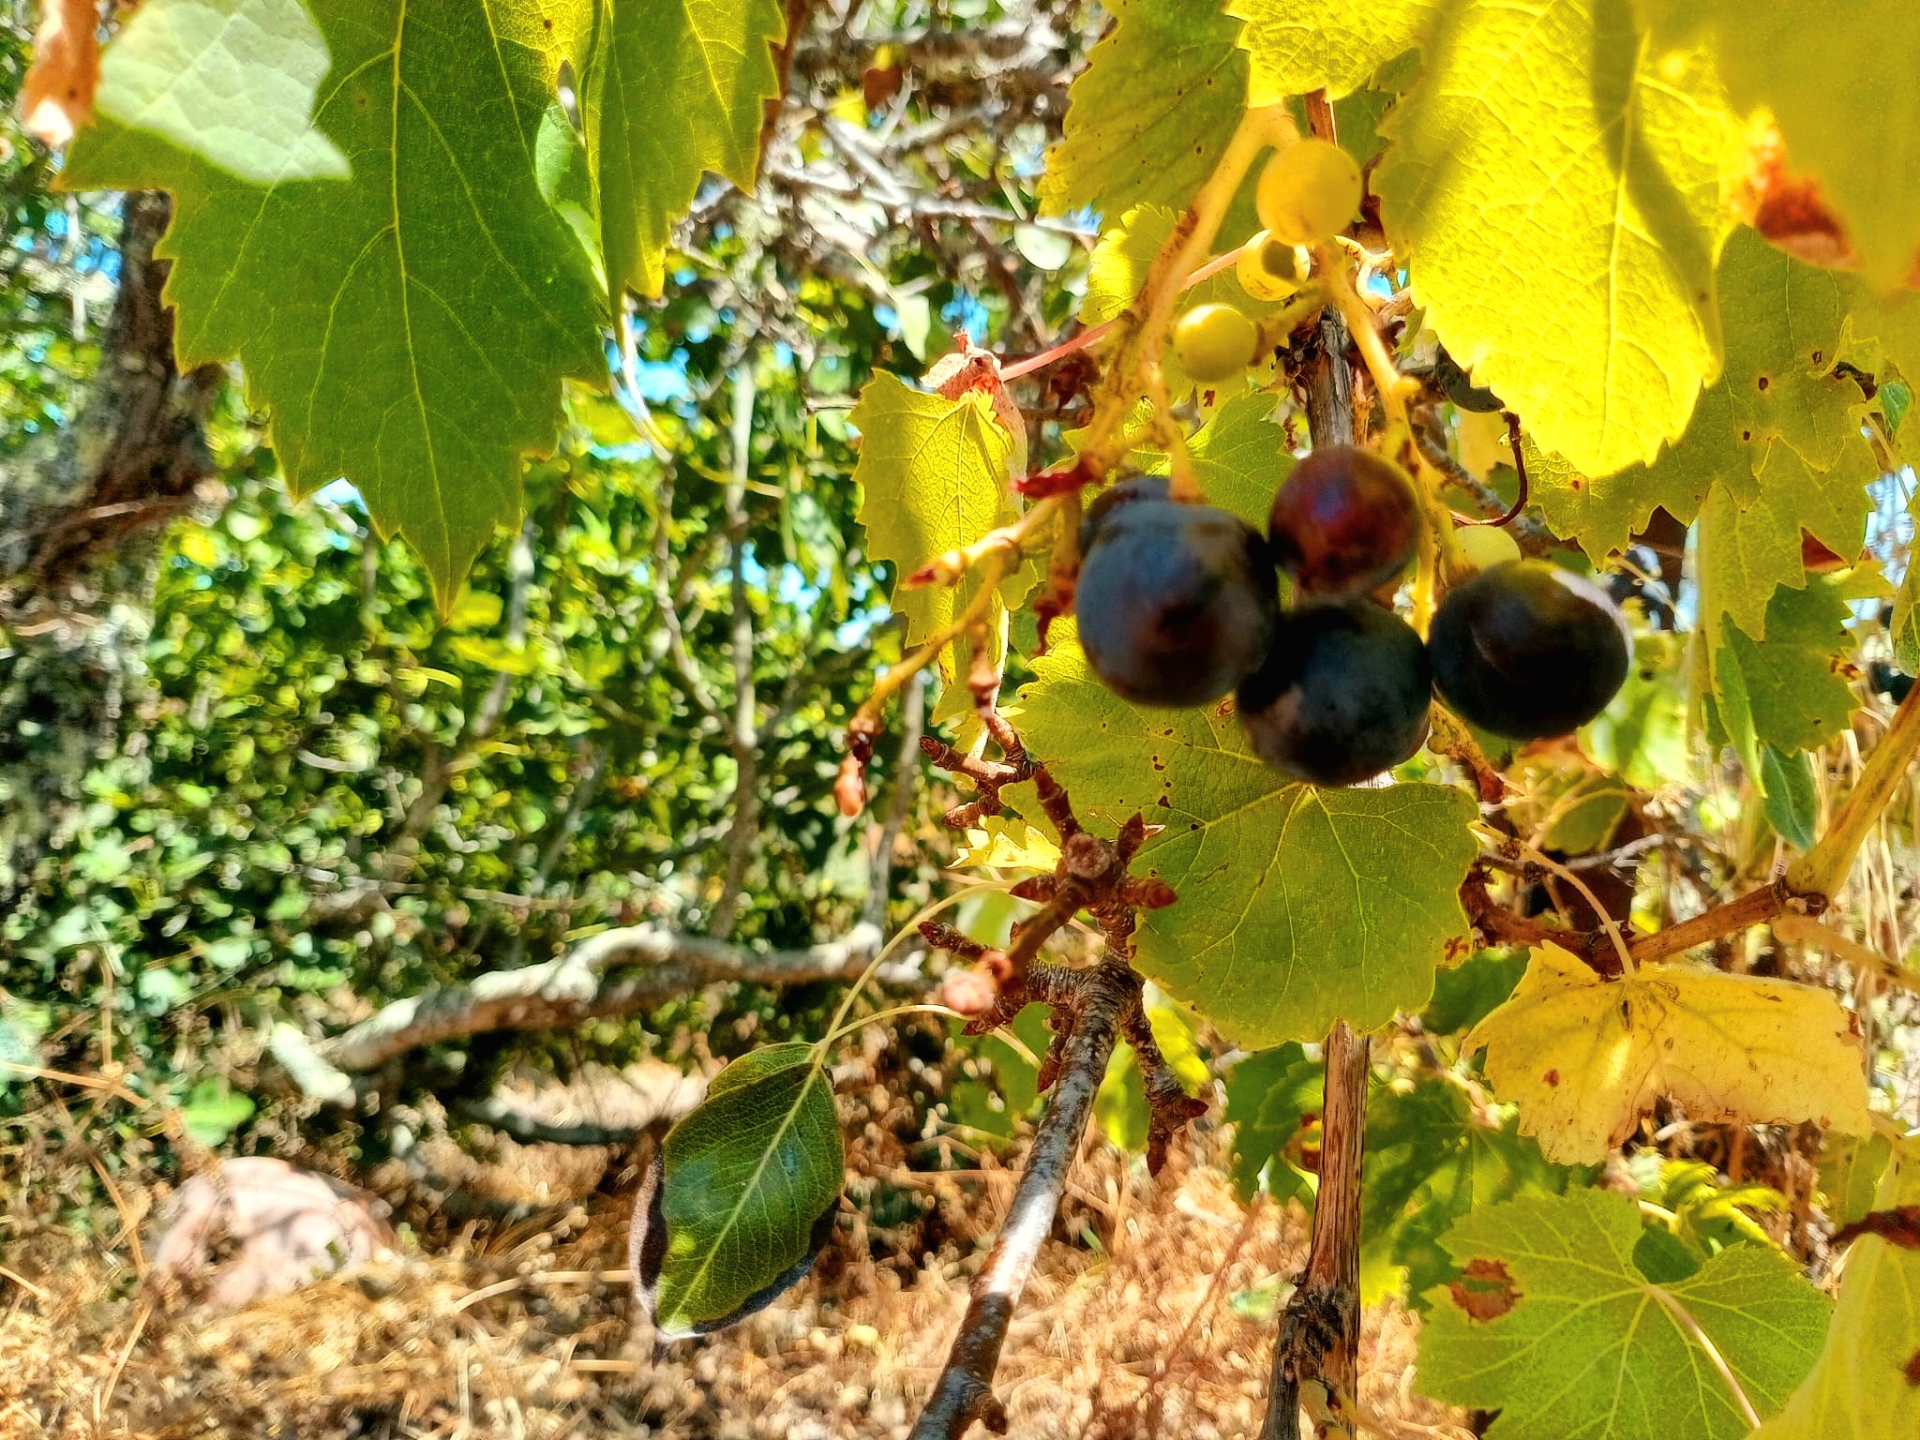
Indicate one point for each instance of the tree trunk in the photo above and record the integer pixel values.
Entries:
(79, 527)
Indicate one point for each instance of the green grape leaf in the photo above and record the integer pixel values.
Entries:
(1465, 994)
(1748, 550)
(1789, 798)
(1906, 621)
(1240, 457)
(1850, 1170)
(1839, 81)
(933, 475)
(672, 89)
(993, 1105)
(1269, 1095)
(1790, 693)
(1642, 734)
(745, 1193)
(233, 80)
(1298, 906)
(1555, 1320)
(1149, 116)
(1429, 1161)
(1333, 45)
(1863, 1386)
(1777, 404)
(1578, 285)
(409, 328)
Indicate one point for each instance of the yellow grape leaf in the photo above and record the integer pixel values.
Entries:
(1008, 842)
(1560, 196)
(1584, 1057)
(933, 475)
(1302, 45)
(1864, 1385)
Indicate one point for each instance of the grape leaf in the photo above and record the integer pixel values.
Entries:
(1466, 993)
(1429, 1161)
(1269, 1093)
(672, 89)
(1577, 1340)
(1783, 322)
(746, 1180)
(1584, 1057)
(1240, 457)
(1789, 799)
(1850, 1173)
(1906, 621)
(1839, 81)
(1148, 117)
(1863, 1386)
(933, 475)
(1642, 734)
(1792, 694)
(409, 327)
(1573, 276)
(233, 80)
(1297, 906)
(1297, 46)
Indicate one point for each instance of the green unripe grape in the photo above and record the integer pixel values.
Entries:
(1485, 546)
(1214, 343)
(1309, 192)
(1271, 270)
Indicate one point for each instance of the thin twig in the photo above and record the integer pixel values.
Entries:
(964, 1391)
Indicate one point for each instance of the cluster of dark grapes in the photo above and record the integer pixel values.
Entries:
(1179, 604)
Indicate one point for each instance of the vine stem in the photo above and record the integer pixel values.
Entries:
(1823, 869)
(964, 1391)
(1317, 1351)
(992, 571)
(1316, 1359)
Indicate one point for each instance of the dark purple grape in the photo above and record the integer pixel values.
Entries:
(1527, 650)
(1343, 695)
(1176, 603)
(1344, 522)
(1114, 498)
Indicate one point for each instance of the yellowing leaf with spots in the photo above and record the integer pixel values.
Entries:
(1298, 906)
(1584, 1058)
(1559, 196)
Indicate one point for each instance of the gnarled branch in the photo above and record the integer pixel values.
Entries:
(614, 973)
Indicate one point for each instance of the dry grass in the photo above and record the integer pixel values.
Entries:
(524, 1330)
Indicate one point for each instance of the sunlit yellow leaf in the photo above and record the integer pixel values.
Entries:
(1584, 1057)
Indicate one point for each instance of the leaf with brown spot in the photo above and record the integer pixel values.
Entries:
(1484, 1290)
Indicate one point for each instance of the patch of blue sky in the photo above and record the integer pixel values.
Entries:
(966, 312)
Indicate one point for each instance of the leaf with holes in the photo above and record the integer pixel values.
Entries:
(409, 326)
(1556, 1327)
(1584, 1058)
(1298, 906)
(744, 1194)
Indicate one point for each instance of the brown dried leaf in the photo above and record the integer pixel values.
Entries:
(57, 97)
